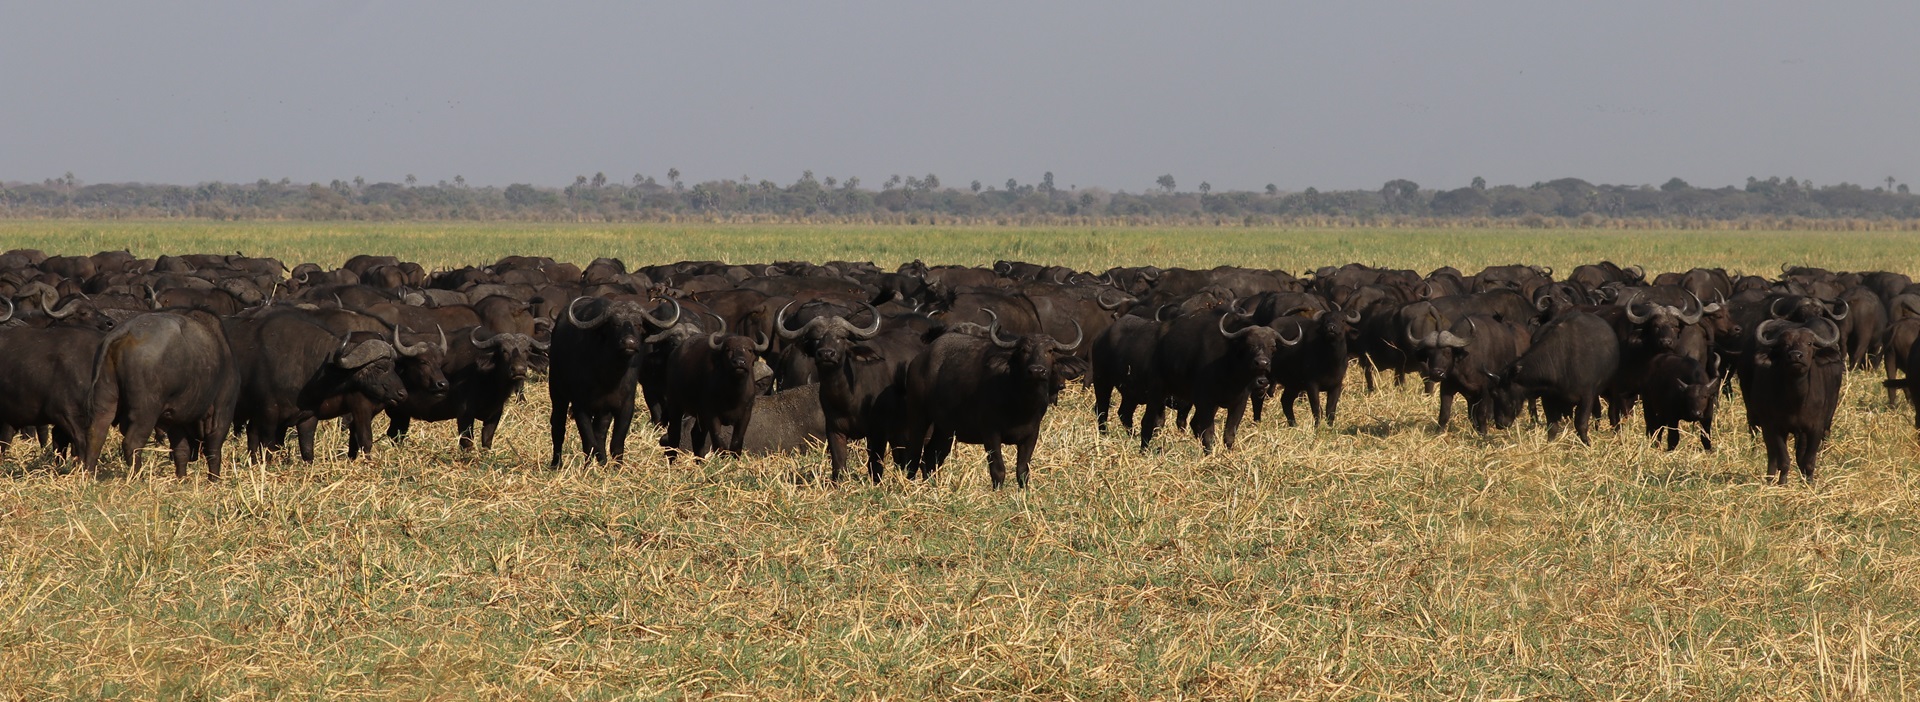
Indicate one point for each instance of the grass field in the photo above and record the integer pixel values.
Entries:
(1378, 558)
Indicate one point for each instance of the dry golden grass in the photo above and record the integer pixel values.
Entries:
(1378, 558)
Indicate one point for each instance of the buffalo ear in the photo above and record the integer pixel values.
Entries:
(484, 362)
(999, 363)
(863, 353)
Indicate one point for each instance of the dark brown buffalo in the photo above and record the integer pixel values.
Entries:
(1569, 362)
(862, 395)
(45, 381)
(980, 387)
(1790, 381)
(1464, 360)
(484, 369)
(295, 371)
(712, 383)
(1201, 362)
(170, 372)
(595, 373)
(1679, 388)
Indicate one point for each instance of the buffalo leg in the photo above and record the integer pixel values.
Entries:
(1203, 426)
(1313, 404)
(463, 425)
(1446, 408)
(557, 425)
(738, 445)
(1023, 459)
(306, 430)
(1259, 401)
(837, 454)
(397, 426)
(1127, 406)
(1806, 452)
(1776, 441)
(603, 437)
(1157, 412)
(182, 453)
(939, 447)
(1235, 412)
(622, 421)
(1583, 417)
(593, 443)
(996, 463)
(1103, 403)
(1706, 429)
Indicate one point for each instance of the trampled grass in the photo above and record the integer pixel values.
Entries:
(1378, 557)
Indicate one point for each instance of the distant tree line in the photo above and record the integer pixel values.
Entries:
(927, 199)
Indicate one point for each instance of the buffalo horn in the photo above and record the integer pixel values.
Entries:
(1826, 340)
(1760, 332)
(713, 340)
(993, 331)
(1842, 314)
(1233, 335)
(1631, 315)
(1773, 310)
(1079, 335)
(1298, 334)
(367, 352)
(60, 312)
(408, 350)
(870, 330)
(1102, 300)
(573, 315)
(668, 322)
(480, 343)
(1698, 310)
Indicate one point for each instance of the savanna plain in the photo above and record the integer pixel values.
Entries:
(1376, 558)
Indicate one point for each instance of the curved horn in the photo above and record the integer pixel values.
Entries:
(780, 322)
(1842, 314)
(713, 340)
(1427, 292)
(870, 330)
(479, 343)
(406, 349)
(1079, 335)
(1826, 340)
(1784, 267)
(60, 312)
(1411, 339)
(1101, 299)
(537, 344)
(153, 297)
(1636, 271)
(1773, 310)
(670, 321)
(993, 331)
(1698, 310)
(1299, 334)
(367, 352)
(573, 315)
(1631, 316)
(1233, 335)
(1473, 330)
(1760, 332)
(1160, 315)
(761, 342)
(443, 337)
(10, 309)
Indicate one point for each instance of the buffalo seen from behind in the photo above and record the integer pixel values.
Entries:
(785, 356)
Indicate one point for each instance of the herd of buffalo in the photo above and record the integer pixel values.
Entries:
(774, 357)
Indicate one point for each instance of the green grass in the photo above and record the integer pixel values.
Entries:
(1378, 558)
(462, 243)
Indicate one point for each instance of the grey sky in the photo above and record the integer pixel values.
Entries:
(1111, 94)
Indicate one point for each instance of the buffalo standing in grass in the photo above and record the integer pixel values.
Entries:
(167, 372)
(982, 388)
(1678, 388)
(1571, 359)
(1462, 361)
(595, 373)
(1791, 385)
(1200, 362)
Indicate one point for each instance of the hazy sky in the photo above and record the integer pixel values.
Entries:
(1112, 94)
